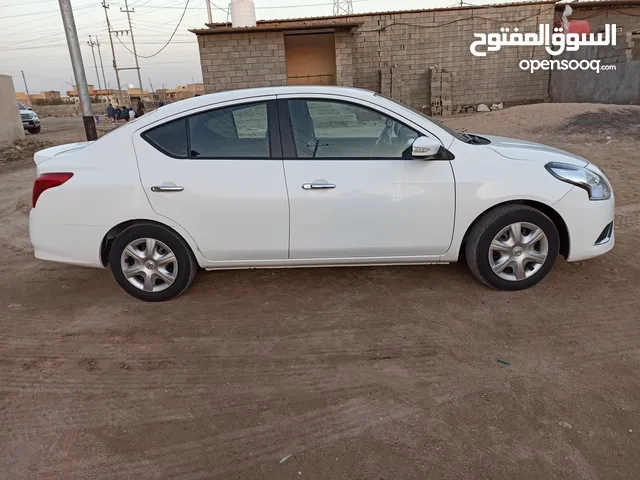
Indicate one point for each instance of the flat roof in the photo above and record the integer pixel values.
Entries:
(598, 3)
(219, 29)
(396, 12)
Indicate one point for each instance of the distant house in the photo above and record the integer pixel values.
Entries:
(180, 92)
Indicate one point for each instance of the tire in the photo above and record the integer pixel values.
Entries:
(524, 267)
(35, 130)
(157, 278)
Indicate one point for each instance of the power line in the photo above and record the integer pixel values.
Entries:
(168, 41)
(40, 13)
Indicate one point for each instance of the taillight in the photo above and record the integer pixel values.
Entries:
(46, 181)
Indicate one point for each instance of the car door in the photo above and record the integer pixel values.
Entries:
(218, 173)
(353, 189)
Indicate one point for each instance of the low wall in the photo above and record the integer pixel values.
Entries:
(620, 86)
(10, 124)
(66, 110)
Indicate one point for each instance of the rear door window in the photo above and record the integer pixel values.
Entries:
(239, 131)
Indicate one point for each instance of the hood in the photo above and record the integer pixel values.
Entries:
(49, 153)
(28, 112)
(530, 151)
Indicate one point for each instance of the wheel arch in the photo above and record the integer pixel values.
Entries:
(112, 234)
(558, 221)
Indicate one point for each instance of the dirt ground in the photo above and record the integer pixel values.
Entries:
(356, 373)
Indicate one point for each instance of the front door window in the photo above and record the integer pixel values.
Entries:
(332, 129)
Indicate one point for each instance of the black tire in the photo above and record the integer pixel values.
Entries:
(187, 266)
(34, 131)
(491, 224)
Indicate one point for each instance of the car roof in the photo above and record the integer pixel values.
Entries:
(212, 98)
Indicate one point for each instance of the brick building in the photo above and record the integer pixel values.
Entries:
(392, 53)
(396, 53)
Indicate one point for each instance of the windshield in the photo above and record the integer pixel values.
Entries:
(459, 136)
(21, 106)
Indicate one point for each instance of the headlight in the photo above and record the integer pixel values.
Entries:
(595, 184)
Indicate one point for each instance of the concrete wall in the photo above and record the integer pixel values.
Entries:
(410, 43)
(10, 124)
(619, 86)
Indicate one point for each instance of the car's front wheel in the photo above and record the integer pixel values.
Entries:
(35, 130)
(512, 247)
(152, 263)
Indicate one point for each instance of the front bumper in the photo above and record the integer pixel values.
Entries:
(587, 222)
(33, 123)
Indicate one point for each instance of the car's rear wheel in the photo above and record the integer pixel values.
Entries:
(152, 263)
(512, 247)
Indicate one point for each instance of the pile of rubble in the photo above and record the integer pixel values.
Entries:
(22, 149)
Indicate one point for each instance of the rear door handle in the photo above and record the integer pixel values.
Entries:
(167, 188)
(314, 186)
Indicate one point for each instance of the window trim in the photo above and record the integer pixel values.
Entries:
(286, 128)
(275, 144)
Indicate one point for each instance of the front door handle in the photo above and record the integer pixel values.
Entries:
(167, 188)
(313, 186)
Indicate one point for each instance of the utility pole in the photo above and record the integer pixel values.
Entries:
(92, 44)
(26, 88)
(113, 52)
(104, 79)
(209, 11)
(78, 69)
(153, 92)
(164, 93)
(133, 43)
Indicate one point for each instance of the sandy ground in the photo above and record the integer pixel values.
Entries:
(356, 373)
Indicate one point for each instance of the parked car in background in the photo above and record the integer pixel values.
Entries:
(30, 120)
(311, 176)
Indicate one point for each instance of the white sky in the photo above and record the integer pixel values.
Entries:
(32, 38)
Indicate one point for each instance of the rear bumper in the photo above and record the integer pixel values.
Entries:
(586, 222)
(72, 244)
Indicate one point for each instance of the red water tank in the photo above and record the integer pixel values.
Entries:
(579, 26)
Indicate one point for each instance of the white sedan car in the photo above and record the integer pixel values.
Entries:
(311, 176)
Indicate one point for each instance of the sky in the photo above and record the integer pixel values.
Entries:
(32, 38)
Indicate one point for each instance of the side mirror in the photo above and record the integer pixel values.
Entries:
(29, 108)
(425, 148)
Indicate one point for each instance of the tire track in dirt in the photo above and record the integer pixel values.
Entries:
(627, 216)
(79, 411)
(243, 448)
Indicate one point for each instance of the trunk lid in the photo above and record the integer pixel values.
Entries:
(49, 153)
